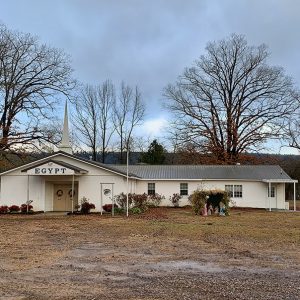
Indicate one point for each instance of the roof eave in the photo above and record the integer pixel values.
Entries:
(280, 180)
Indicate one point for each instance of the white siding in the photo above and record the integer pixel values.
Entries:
(14, 188)
(254, 193)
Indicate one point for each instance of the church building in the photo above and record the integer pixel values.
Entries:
(59, 181)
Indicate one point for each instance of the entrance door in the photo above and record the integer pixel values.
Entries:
(62, 199)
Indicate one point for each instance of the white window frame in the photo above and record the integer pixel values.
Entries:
(229, 190)
(238, 191)
(184, 189)
(151, 187)
(273, 191)
(234, 190)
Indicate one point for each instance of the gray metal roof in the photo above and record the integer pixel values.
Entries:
(210, 172)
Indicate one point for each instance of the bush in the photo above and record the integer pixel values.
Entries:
(136, 210)
(4, 209)
(24, 208)
(86, 206)
(108, 207)
(198, 200)
(14, 208)
(140, 201)
(154, 200)
(175, 199)
(122, 200)
(119, 210)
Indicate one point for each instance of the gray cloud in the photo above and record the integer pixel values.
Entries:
(150, 42)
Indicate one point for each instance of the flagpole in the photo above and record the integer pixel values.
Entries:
(127, 163)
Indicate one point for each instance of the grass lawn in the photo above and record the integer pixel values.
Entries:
(165, 253)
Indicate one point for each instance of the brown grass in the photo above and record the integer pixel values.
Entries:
(31, 240)
(246, 239)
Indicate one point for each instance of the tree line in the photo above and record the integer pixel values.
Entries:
(228, 103)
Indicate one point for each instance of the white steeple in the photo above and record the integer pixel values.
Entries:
(65, 142)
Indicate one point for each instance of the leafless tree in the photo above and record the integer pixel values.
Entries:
(106, 99)
(32, 76)
(231, 100)
(92, 119)
(129, 111)
(293, 131)
(85, 119)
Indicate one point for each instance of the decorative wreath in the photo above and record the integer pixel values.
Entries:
(106, 192)
(59, 193)
(70, 193)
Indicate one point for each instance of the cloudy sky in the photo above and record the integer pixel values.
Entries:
(149, 43)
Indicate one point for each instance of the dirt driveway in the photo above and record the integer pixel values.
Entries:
(164, 254)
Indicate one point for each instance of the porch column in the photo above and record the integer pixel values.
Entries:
(269, 195)
(73, 192)
(294, 196)
(27, 188)
(113, 199)
(101, 200)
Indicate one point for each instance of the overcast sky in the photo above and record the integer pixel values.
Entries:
(149, 43)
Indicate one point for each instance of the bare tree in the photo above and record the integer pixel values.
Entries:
(129, 111)
(85, 119)
(231, 100)
(106, 99)
(93, 118)
(31, 77)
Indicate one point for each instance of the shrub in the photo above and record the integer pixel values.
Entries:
(119, 210)
(14, 208)
(198, 200)
(86, 206)
(108, 207)
(122, 200)
(24, 208)
(140, 201)
(175, 199)
(136, 210)
(155, 200)
(4, 209)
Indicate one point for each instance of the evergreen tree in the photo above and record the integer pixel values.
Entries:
(155, 154)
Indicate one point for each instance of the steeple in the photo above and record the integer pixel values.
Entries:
(65, 142)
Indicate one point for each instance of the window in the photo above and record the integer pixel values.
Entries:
(234, 191)
(151, 188)
(184, 189)
(238, 191)
(229, 190)
(272, 194)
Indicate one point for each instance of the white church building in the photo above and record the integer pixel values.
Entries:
(59, 181)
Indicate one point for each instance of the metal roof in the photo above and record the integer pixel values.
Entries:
(179, 172)
(209, 172)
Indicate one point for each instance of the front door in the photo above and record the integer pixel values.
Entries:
(62, 199)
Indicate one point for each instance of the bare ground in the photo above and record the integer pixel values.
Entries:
(164, 254)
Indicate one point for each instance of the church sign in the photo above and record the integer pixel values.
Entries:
(50, 168)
